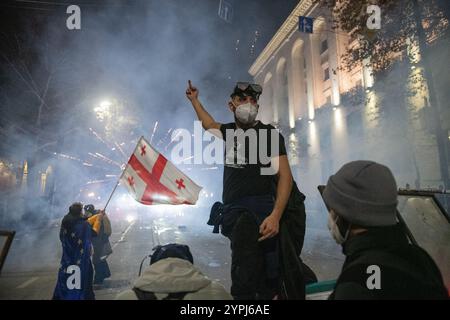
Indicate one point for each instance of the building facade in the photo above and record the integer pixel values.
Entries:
(329, 116)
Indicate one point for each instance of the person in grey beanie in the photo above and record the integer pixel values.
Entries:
(380, 261)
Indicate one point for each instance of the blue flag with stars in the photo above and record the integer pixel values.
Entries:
(75, 274)
(305, 24)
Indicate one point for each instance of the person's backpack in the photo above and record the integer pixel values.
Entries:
(171, 250)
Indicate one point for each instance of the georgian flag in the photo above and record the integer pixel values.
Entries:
(152, 179)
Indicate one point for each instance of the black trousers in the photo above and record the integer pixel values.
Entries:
(254, 273)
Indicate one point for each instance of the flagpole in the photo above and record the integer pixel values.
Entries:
(115, 187)
(118, 180)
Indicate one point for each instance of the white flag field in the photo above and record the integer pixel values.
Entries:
(151, 179)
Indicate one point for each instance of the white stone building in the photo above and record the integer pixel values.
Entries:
(307, 96)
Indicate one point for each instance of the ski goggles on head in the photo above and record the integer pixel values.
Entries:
(245, 89)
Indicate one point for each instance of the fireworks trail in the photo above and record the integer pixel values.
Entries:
(120, 149)
(173, 139)
(165, 137)
(188, 158)
(65, 156)
(108, 159)
(109, 146)
(98, 137)
(154, 130)
(83, 162)
(103, 158)
(97, 181)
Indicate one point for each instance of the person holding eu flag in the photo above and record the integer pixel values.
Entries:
(75, 274)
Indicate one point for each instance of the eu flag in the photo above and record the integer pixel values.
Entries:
(75, 274)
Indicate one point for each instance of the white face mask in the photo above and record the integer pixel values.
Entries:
(334, 230)
(246, 113)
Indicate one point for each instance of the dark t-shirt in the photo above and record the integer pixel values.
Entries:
(246, 154)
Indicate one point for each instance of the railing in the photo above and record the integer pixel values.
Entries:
(6, 244)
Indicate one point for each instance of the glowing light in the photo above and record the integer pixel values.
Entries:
(299, 118)
(372, 111)
(291, 120)
(334, 108)
(130, 218)
(292, 137)
(103, 110)
(127, 201)
(367, 73)
(91, 194)
(313, 139)
(413, 67)
(161, 198)
(105, 104)
(338, 119)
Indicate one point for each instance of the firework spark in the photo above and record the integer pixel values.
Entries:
(120, 150)
(154, 130)
(173, 139)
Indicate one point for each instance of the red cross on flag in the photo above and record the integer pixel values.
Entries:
(152, 179)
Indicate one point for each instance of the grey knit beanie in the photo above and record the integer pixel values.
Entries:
(364, 193)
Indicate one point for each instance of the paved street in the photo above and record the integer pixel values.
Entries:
(31, 267)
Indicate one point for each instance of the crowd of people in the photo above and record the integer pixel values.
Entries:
(263, 216)
(85, 242)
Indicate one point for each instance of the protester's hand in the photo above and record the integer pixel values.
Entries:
(191, 92)
(269, 227)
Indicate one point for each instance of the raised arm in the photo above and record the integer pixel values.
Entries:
(207, 120)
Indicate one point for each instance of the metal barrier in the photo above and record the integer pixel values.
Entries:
(6, 238)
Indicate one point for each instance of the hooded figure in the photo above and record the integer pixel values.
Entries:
(380, 263)
(75, 274)
(101, 245)
(172, 276)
